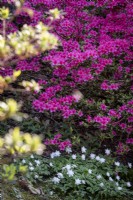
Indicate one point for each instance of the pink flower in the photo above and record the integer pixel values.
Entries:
(89, 119)
(80, 113)
(114, 133)
(63, 145)
(103, 107)
(129, 141)
(112, 113)
(104, 86)
(123, 125)
(114, 86)
(80, 123)
(58, 136)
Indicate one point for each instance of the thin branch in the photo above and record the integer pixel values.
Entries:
(4, 29)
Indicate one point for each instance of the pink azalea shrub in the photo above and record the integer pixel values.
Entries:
(95, 58)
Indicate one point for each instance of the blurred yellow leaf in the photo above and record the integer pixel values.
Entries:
(16, 73)
(16, 134)
(1, 142)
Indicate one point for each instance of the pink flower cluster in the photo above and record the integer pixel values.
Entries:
(61, 105)
(106, 86)
(102, 120)
(56, 141)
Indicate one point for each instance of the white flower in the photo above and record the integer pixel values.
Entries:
(99, 177)
(118, 178)
(102, 160)
(57, 153)
(117, 164)
(83, 157)
(83, 181)
(32, 156)
(30, 164)
(101, 184)
(23, 161)
(31, 168)
(90, 171)
(77, 181)
(108, 174)
(130, 165)
(56, 180)
(51, 193)
(70, 173)
(36, 176)
(128, 184)
(98, 158)
(107, 151)
(51, 164)
(117, 183)
(68, 150)
(52, 155)
(74, 156)
(92, 155)
(37, 162)
(119, 188)
(60, 175)
(68, 167)
(83, 150)
(110, 179)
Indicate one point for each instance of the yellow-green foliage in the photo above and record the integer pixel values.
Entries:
(55, 14)
(28, 42)
(9, 171)
(4, 13)
(4, 81)
(9, 109)
(17, 143)
(31, 85)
